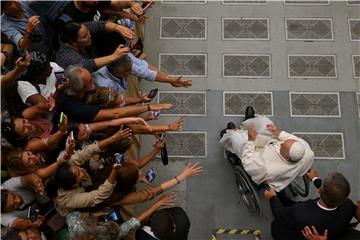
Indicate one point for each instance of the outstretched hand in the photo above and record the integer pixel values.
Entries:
(179, 82)
(190, 170)
(166, 200)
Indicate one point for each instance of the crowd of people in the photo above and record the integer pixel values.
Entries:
(70, 115)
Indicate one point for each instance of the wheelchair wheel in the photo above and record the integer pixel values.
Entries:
(247, 191)
(300, 186)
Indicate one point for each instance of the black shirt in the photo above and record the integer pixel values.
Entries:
(76, 109)
(289, 221)
(182, 223)
(80, 17)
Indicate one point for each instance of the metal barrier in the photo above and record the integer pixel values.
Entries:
(220, 231)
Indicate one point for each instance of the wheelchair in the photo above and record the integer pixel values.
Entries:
(249, 190)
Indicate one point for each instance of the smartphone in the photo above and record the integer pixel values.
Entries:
(32, 214)
(113, 216)
(72, 135)
(153, 93)
(147, 6)
(61, 117)
(22, 53)
(60, 77)
(150, 175)
(156, 113)
(119, 158)
(128, 44)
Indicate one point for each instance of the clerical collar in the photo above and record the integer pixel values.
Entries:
(325, 208)
(147, 229)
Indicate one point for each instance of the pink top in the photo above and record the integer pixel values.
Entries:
(44, 125)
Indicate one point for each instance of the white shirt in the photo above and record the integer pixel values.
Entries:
(14, 184)
(26, 89)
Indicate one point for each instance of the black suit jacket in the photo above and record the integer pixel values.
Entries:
(289, 221)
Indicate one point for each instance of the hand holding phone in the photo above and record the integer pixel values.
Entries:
(72, 135)
(22, 53)
(156, 113)
(150, 175)
(61, 118)
(113, 216)
(153, 93)
(32, 214)
(147, 5)
(119, 158)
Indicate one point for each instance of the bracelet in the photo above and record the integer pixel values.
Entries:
(177, 180)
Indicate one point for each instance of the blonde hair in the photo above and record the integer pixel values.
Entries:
(104, 97)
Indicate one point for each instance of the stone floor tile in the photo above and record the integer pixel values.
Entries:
(176, 64)
(235, 103)
(184, 103)
(309, 29)
(307, 2)
(245, 29)
(183, 28)
(186, 144)
(247, 66)
(312, 66)
(354, 29)
(312, 104)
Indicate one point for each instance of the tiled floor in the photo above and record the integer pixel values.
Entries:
(184, 103)
(235, 103)
(295, 61)
(309, 29)
(312, 66)
(192, 65)
(312, 104)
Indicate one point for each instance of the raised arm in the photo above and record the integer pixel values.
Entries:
(127, 111)
(97, 126)
(51, 169)
(90, 199)
(142, 162)
(189, 171)
(25, 42)
(20, 67)
(147, 194)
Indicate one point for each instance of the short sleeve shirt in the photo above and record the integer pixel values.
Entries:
(14, 185)
(76, 109)
(26, 89)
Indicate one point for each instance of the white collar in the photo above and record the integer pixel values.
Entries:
(325, 208)
(147, 229)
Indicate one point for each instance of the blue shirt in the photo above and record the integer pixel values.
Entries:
(14, 28)
(139, 68)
